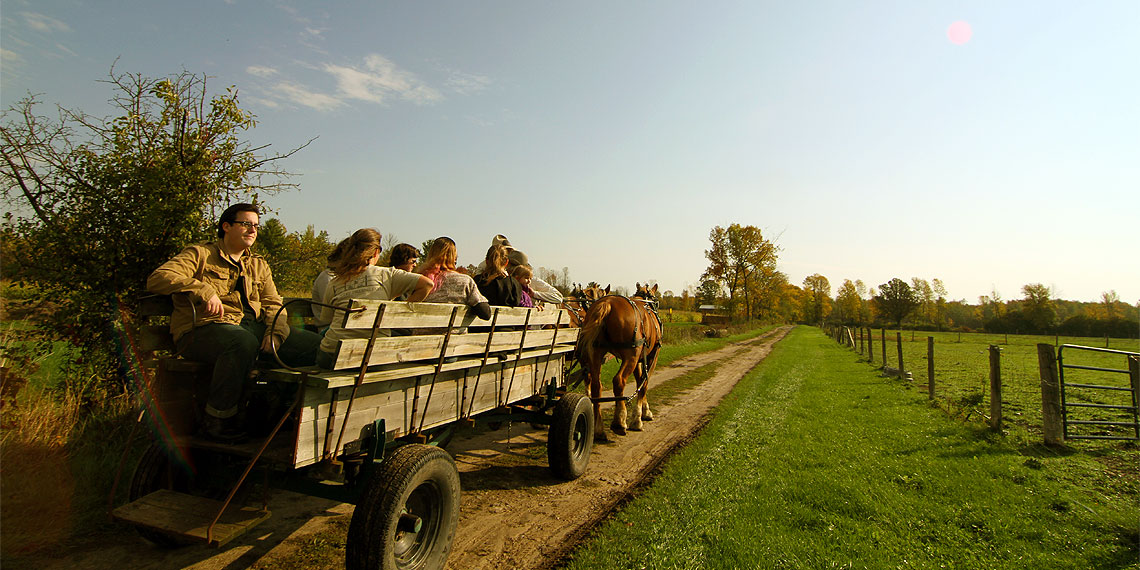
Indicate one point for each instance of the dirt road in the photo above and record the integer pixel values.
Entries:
(514, 513)
(519, 516)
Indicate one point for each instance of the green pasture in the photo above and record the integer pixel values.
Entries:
(815, 461)
(962, 375)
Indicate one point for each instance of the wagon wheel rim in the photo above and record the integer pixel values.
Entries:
(581, 433)
(418, 525)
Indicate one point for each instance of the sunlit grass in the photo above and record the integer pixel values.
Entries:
(814, 461)
(962, 375)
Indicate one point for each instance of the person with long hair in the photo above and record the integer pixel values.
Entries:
(494, 282)
(355, 275)
(451, 286)
(440, 259)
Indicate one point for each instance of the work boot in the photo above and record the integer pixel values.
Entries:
(221, 430)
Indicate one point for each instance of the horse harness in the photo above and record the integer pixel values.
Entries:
(638, 339)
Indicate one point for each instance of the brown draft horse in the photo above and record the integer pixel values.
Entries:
(629, 329)
(580, 299)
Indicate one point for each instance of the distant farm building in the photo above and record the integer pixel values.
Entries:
(712, 315)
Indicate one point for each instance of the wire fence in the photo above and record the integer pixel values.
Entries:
(961, 372)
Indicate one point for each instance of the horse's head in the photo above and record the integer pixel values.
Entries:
(593, 291)
(646, 292)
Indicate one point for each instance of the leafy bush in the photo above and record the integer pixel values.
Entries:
(95, 204)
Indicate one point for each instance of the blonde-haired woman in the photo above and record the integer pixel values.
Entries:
(451, 286)
(356, 276)
(440, 259)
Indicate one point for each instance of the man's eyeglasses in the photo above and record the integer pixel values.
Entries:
(248, 225)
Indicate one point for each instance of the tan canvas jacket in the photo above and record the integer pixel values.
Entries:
(200, 272)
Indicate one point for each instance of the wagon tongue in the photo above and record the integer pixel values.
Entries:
(188, 518)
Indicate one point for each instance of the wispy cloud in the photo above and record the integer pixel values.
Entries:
(10, 57)
(379, 80)
(65, 49)
(301, 95)
(467, 83)
(376, 79)
(44, 23)
(261, 71)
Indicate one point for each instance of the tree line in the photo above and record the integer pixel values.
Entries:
(742, 280)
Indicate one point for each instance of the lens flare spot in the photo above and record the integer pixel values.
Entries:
(959, 32)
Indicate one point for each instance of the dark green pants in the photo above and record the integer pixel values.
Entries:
(234, 349)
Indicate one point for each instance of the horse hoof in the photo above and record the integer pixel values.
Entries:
(634, 428)
(647, 418)
(618, 430)
(601, 437)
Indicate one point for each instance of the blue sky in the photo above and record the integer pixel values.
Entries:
(610, 137)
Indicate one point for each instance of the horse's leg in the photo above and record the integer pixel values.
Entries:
(643, 387)
(627, 365)
(638, 416)
(594, 377)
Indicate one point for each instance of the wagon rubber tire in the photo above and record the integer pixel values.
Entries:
(407, 516)
(153, 473)
(571, 436)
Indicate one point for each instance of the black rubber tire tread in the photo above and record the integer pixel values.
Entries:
(152, 474)
(568, 457)
(371, 541)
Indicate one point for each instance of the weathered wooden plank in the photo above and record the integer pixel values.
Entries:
(393, 401)
(187, 516)
(347, 378)
(389, 350)
(389, 372)
(401, 314)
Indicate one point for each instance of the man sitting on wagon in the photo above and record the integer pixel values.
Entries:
(224, 305)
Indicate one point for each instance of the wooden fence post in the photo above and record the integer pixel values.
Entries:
(883, 335)
(995, 388)
(898, 342)
(860, 340)
(930, 366)
(1052, 423)
(1134, 375)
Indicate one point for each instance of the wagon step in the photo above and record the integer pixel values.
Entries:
(186, 517)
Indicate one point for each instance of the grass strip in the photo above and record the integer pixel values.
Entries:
(813, 461)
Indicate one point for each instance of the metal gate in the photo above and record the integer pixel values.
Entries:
(1108, 398)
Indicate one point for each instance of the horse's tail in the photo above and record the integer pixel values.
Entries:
(595, 321)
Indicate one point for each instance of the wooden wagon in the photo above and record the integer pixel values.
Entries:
(369, 432)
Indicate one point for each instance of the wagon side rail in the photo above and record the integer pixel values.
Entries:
(390, 371)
